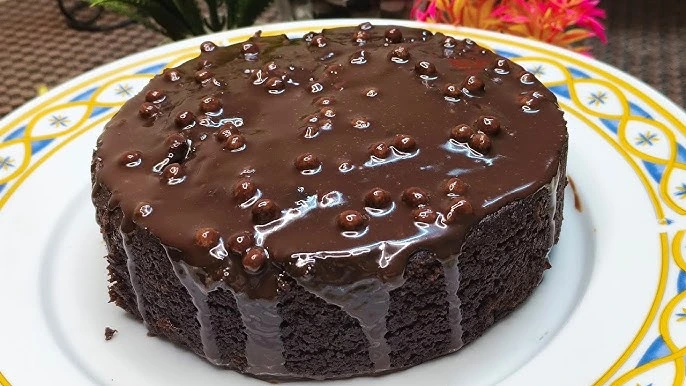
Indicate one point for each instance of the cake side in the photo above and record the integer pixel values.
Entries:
(501, 263)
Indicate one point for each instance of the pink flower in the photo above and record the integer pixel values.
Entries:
(562, 22)
(427, 15)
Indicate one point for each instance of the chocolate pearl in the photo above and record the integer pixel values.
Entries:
(210, 104)
(275, 85)
(307, 161)
(309, 131)
(318, 41)
(426, 35)
(379, 150)
(258, 77)
(177, 147)
(393, 35)
(415, 197)
(400, 55)
(360, 122)
(378, 198)
(131, 159)
(207, 46)
(457, 209)
(454, 187)
(240, 242)
(328, 112)
(404, 143)
(333, 69)
(366, 26)
(449, 42)
(184, 119)
(315, 87)
(203, 63)
(225, 131)
(480, 142)
(171, 75)
(359, 57)
(309, 36)
(425, 215)
(345, 166)
(324, 101)
(488, 124)
(425, 70)
(325, 124)
(311, 118)
(243, 190)
(154, 96)
(148, 110)
(235, 142)
(531, 100)
(270, 68)
(250, 50)
(174, 173)
(143, 210)
(461, 133)
(205, 121)
(254, 259)
(371, 92)
(264, 211)
(472, 85)
(203, 76)
(451, 91)
(352, 220)
(527, 78)
(206, 238)
(360, 37)
(501, 66)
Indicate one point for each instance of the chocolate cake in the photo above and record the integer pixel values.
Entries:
(353, 202)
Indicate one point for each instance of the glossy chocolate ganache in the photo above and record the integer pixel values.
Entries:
(329, 160)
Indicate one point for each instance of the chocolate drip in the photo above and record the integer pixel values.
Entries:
(133, 275)
(451, 272)
(263, 347)
(198, 294)
(553, 205)
(367, 301)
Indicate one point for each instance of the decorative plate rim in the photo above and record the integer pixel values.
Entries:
(659, 103)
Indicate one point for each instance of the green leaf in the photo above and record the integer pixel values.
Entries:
(231, 12)
(189, 12)
(215, 22)
(170, 21)
(248, 10)
(181, 18)
(127, 9)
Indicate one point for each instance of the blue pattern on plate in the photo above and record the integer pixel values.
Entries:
(84, 96)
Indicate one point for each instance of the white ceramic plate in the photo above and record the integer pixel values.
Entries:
(611, 310)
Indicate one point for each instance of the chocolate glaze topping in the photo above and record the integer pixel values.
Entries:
(330, 159)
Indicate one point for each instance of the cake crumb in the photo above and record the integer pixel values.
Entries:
(109, 333)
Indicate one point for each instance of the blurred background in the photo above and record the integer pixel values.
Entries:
(47, 42)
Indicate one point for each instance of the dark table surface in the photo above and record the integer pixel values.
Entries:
(646, 39)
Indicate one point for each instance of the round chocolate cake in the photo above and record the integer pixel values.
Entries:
(353, 202)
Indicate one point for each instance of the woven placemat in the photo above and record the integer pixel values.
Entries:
(38, 49)
(646, 39)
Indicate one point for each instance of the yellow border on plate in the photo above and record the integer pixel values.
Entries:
(188, 52)
(662, 281)
(4, 381)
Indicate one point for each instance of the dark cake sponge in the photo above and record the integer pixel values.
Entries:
(320, 341)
